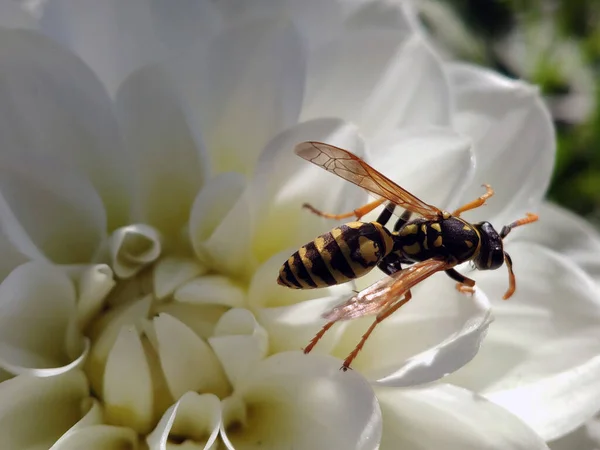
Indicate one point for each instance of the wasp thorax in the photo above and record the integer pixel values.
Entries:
(491, 254)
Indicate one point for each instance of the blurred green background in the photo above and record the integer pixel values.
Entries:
(554, 44)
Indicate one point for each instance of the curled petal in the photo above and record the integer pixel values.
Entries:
(239, 342)
(51, 405)
(94, 285)
(98, 437)
(448, 417)
(195, 419)
(450, 327)
(285, 398)
(513, 138)
(37, 316)
(540, 358)
(378, 93)
(171, 272)
(187, 362)
(132, 248)
(128, 390)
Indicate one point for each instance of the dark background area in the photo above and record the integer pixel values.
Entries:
(559, 50)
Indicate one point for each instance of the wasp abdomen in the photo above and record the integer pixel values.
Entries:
(346, 252)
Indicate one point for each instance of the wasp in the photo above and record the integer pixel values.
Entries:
(434, 242)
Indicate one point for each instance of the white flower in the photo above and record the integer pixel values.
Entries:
(162, 187)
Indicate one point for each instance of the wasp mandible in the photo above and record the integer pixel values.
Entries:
(436, 241)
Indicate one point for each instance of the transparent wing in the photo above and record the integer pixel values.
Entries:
(353, 169)
(379, 295)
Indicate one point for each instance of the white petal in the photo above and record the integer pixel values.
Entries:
(200, 318)
(37, 308)
(244, 89)
(513, 139)
(127, 390)
(195, 420)
(171, 166)
(282, 182)
(292, 316)
(303, 401)
(567, 234)
(212, 290)
(35, 412)
(14, 15)
(239, 342)
(187, 362)
(586, 437)
(444, 416)
(450, 327)
(132, 248)
(105, 332)
(318, 20)
(436, 164)
(264, 292)
(220, 225)
(13, 254)
(98, 437)
(69, 220)
(378, 79)
(53, 107)
(171, 272)
(94, 285)
(540, 358)
(134, 33)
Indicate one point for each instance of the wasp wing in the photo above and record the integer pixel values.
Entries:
(379, 295)
(353, 169)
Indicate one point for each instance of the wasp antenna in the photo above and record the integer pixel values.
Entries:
(512, 283)
(529, 218)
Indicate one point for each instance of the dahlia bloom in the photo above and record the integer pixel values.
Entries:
(149, 194)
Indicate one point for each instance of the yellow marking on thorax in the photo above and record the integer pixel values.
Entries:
(412, 249)
(424, 228)
(437, 242)
(338, 235)
(469, 244)
(408, 229)
(437, 227)
(355, 224)
(467, 227)
(446, 215)
(326, 255)
(294, 270)
(367, 249)
(425, 244)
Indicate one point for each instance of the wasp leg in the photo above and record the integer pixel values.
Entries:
(475, 203)
(380, 317)
(358, 212)
(464, 285)
(317, 337)
(402, 220)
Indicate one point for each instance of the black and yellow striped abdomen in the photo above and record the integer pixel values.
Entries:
(346, 252)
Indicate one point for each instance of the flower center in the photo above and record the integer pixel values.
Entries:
(162, 331)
